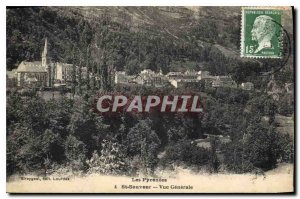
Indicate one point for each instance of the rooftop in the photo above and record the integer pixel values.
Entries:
(34, 67)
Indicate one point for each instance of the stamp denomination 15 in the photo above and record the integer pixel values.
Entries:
(261, 35)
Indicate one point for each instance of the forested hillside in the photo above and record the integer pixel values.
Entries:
(133, 38)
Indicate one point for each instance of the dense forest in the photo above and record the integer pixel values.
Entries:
(66, 134)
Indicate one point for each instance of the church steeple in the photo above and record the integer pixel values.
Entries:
(160, 71)
(45, 54)
(46, 64)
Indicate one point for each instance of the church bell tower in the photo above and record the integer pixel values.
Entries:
(45, 54)
(46, 64)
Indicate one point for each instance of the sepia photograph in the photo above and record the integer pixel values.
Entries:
(150, 99)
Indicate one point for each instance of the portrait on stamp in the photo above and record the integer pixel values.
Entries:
(261, 33)
(263, 30)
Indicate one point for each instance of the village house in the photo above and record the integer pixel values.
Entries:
(156, 81)
(224, 81)
(174, 75)
(178, 79)
(192, 77)
(190, 72)
(138, 79)
(147, 72)
(202, 75)
(121, 77)
(247, 86)
(148, 77)
(289, 87)
(208, 81)
(11, 79)
(64, 72)
(273, 89)
(181, 82)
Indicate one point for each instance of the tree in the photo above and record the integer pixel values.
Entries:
(75, 151)
(260, 148)
(213, 159)
(88, 68)
(144, 142)
(79, 72)
(73, 74)
(87, 126)
(186, 152)
(112, 160)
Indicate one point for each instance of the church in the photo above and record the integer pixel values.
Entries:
(44, 73)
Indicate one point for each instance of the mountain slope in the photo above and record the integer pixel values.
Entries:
(133, 38)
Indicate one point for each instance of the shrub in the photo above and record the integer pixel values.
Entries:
(75, 152)
(111, 161)
(186, 153)
(260, 148)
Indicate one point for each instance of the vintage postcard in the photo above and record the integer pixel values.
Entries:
(150, 99)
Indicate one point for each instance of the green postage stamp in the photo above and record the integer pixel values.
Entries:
(261, 35)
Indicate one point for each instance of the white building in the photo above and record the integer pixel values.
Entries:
(174, 75)
(147, 71)
(247, 86)
(64, 71)
(180, 82)
(202, 75)
(224, 81)
(11, 79)
(121, 77)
